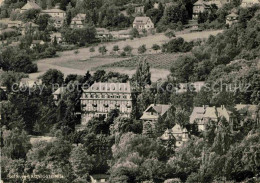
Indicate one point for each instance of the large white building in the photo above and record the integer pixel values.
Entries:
(101, 98)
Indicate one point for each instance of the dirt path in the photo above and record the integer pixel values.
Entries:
(85, 54)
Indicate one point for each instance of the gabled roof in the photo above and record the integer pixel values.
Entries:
(160, 109)
(79, 17)
(142, 20)
(232, 15)
(110, 88)
(197, 113)
(211, 112)
(60, 91)
(28, 24)
(177, 129)
(30, 5)
(56, 34)
(175, 132)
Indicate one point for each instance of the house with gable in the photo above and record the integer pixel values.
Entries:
(231, 19)
(199, 7)
(143, 23)
(248, 111)
(30, 5)
(177, 135)
(78, 21)
(201, 116)
(151, 116)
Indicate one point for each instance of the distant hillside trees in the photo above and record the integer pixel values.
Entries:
(12, 59)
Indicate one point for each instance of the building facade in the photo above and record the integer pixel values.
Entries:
(231, 19)
(177, 135)
(151, 116)
(78, 21)
(101, 98)
(143, 23)
(55, 12)
(202, 115)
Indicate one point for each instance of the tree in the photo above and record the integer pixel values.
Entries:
(177, 45)
(53, 77)
(128, 49)
(134, 33)
(183, 68)
(156, 47)
(142, 49)
(82, 163)
(170, 34)
(102, 50)
(116, 48)
(92, 49)
(43, 21)
(15, 144)
(142, 77)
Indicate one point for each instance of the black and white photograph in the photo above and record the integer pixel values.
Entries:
(130, 91)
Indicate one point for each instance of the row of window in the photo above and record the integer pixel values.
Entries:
(107, 109)
(106, 96)
(85, 102)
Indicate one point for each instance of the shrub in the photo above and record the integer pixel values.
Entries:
(123, 54)
(142, 49)
(92, 49)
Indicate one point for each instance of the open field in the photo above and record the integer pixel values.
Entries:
(70, 63)
(156, 61)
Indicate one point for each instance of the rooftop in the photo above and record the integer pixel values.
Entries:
(110, 87)
(30, 5)
(141, 20)
(60, 91)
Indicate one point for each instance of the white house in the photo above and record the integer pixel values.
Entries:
(143, 23)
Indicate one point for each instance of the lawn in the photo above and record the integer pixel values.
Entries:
(70, 63)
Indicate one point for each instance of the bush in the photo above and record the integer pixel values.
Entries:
(134, 33)
(31, 68)
(142, 49)
(123, 54)
(92, 49)
(128, 49)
